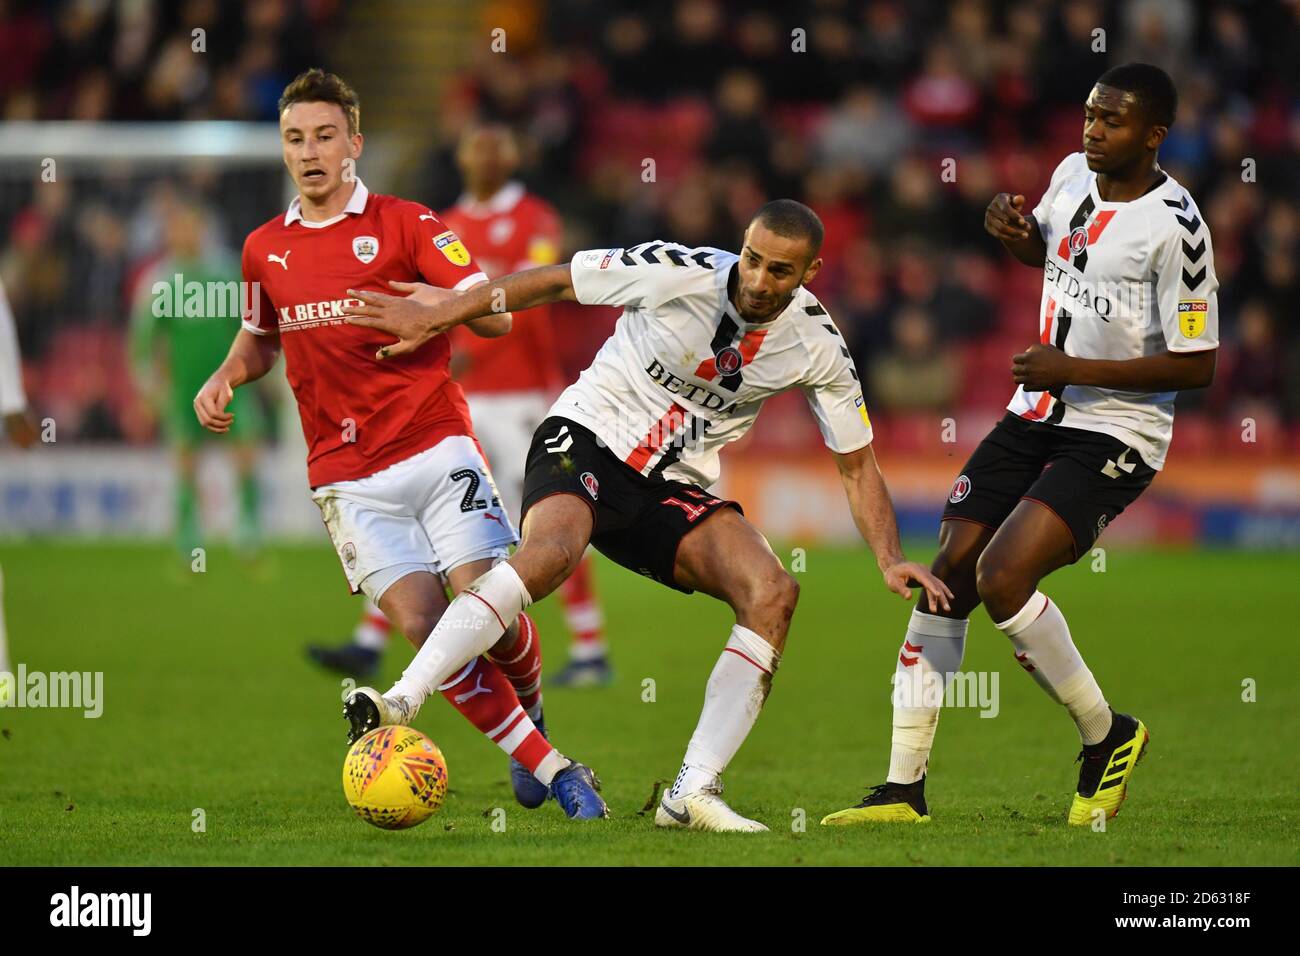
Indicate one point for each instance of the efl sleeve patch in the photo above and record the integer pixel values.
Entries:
(1191, 317)
(449, 244)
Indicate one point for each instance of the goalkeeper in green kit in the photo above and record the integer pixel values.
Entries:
(180, 330)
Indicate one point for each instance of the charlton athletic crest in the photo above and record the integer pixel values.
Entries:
(960, 489)
(728, 361)
(365, 248)
(591, 484)
(1078, 240)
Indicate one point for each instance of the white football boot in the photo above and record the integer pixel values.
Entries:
(366, 709)
(703, 809)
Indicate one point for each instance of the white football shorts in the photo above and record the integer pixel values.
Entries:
(433, 512)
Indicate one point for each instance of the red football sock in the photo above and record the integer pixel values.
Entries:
(582, 613)
(522, 666)
(485, 698)
(372, 630)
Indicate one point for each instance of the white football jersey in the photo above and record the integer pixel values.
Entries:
(1122, 280)
(683, 374)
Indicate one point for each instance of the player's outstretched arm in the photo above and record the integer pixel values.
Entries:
(251, 356)
(1019, 233)
(487, 327)
(873, 513)
(413, 322)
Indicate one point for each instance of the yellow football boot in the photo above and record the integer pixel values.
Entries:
(886, 803)
(1103, 778)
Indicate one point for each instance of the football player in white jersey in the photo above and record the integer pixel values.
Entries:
(625, 459)
(1129, 318)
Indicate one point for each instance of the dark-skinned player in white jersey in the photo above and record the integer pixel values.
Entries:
(1129, 318)
(628, 452)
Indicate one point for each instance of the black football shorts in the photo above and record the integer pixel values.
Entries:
(1086, 478)
(638, 521)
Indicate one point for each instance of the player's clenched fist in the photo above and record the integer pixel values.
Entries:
(1003, 219)
(1041, 367)
(210, 405)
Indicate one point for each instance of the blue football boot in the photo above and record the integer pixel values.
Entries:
(574, 789)
(529, 791)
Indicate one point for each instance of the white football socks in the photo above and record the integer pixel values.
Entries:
(1043, 647)
(733, 698)
(472, 623)
(931, 653)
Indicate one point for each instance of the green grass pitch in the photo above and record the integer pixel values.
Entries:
(210, 703)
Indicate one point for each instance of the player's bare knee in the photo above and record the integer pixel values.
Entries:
(543, 563)
(784, 598)
(960, 578)
(1003, 586)
(770, 595)
(947, 567)
(417, 624)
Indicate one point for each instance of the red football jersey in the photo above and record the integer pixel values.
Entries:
(510, 232)
(359, 415)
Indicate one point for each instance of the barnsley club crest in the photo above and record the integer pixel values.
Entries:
(365, 248)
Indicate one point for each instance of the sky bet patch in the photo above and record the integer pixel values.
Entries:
(451, 247)
(1191, 317)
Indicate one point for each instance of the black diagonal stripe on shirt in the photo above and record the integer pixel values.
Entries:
(1063, 321)
(1080, 218)
(673, 453)
(723, 334)
(691, 432)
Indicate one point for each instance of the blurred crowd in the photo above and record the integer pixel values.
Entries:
(73, 248)
(134, 59)
(676, 119)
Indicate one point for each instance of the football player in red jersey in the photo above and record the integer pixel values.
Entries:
(392, 459)
(510, 383)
